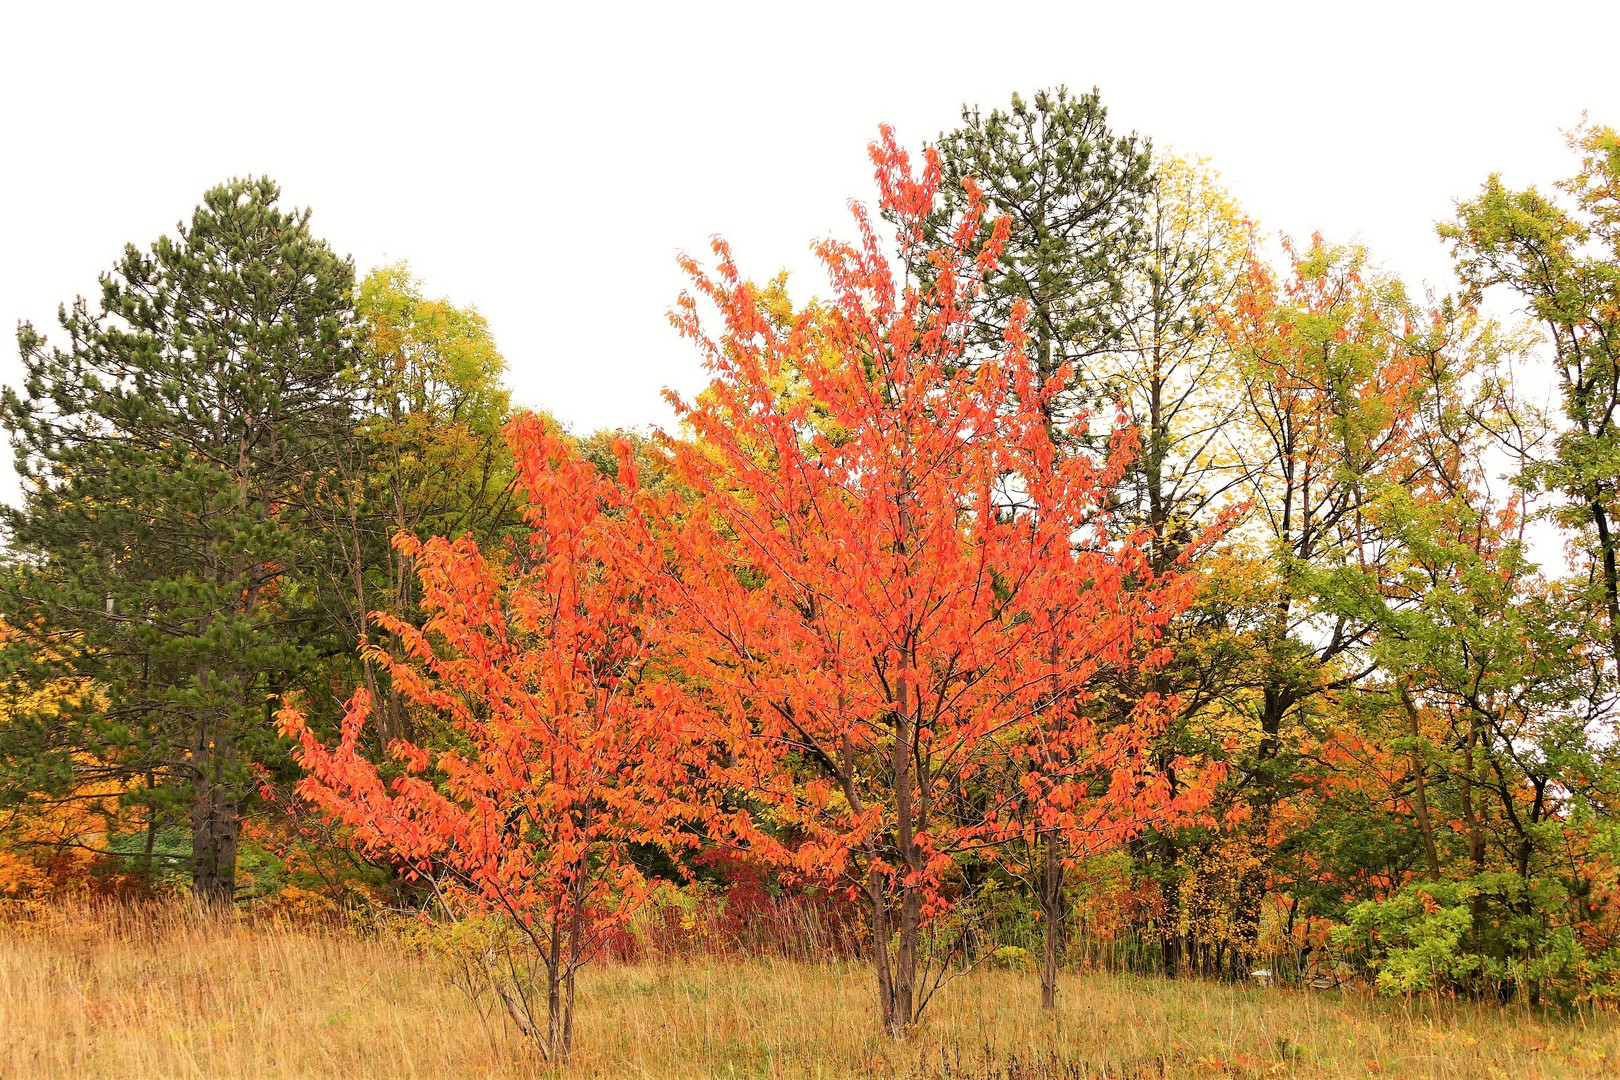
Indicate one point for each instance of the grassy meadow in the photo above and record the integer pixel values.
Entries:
(145, 994)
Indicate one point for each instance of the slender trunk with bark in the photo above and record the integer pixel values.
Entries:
(882, 933)
(902, 988)
(554, 996)
(1250, 896)
(150, 843)
(1611, 574)
(1172, 943)
(1420, 798)
(1052, 917)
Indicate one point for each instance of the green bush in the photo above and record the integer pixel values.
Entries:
(1495, 934)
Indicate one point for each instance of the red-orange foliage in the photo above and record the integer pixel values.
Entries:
(50, 850)
(571, 753)
(892, 575)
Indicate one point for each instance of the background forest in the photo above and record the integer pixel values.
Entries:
(1081, 578)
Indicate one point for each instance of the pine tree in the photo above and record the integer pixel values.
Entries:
(159, 556)
(1076, 196)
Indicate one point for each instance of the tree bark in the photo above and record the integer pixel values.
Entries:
(150, 842)
(903, 985)
(881, 933)
(1611, 574)
(1172, 944)
(899, 1009)
(1420, 797)
(216, 823)
(1052, 917)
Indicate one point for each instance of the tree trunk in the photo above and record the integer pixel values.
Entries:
(554, 1015)
(557, 1022)
(567, 1053)
(563, 1026)
(1420, 797)
(877, 896)
(905, 964)
(150, 843)
(1052, 917)
(1250, 896)
(1172, 943)
(216, 825)
(900, 1008)
(1611, 574)
(555, 1049)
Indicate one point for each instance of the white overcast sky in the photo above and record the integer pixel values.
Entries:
(546, 162)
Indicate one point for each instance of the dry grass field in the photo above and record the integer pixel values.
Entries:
(141, 996)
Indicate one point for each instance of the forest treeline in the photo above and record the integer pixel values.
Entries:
(1082, 574)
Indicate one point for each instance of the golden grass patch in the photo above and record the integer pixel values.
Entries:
(135, 996)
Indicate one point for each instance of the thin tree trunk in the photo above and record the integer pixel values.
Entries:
(903, 979)
(881, 933)
(1476, 834)
(1052, 914)
(1611, 574)
(1172, 944)
(1420, 798)
(1250, 897)
(900, 1010)
(576, 931)
(567, 1054)
(905, 982)
(554, 972)
(150, 843)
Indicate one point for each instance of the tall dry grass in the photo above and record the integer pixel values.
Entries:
(134, 994)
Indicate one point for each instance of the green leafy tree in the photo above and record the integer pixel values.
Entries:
(1174, 374)
(159, 553)
(1563, 260)
(425, 457)
(1485, 725)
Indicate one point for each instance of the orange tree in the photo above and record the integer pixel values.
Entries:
(889, 574)
(565, 753)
